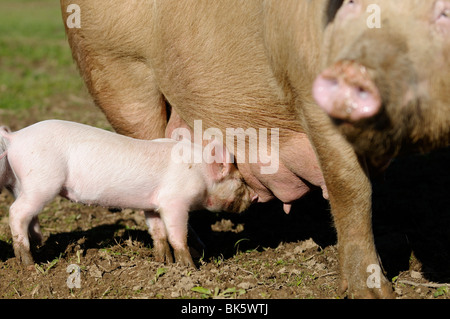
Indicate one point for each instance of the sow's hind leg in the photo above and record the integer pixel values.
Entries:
(125, 90)
(137, 109)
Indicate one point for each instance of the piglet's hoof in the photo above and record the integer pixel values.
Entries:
(162, 252)
(23, 256)
(183, 257)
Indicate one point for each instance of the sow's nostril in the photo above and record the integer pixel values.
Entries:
(346, 92)
(325, 92)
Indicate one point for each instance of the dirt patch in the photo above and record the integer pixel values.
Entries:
(262, 253)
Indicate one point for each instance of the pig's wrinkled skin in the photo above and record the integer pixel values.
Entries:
(259, 64)
(93, 166)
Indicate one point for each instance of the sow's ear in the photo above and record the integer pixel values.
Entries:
(218, 160)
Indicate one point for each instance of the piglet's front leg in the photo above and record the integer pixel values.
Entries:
(175, 218)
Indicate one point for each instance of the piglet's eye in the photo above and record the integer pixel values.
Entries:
(445, 14)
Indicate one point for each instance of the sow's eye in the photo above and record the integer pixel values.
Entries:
(350, 4)
(349, 8)
(442, 15)
(445, 14)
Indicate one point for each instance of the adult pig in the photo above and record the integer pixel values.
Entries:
(246, 64)
(387, 85)
(94, 166)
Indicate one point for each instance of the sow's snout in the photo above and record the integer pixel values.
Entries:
(345, 91)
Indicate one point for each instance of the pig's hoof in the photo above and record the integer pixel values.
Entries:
(183, 257)
(364, 292)
(162, 252)
(23, 256)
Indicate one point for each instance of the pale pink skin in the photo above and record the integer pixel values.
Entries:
(346, 92)
(94, 166)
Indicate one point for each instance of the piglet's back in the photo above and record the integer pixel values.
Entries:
(62, 148)
(58, 135)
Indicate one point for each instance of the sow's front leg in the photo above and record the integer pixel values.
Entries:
(350, 197)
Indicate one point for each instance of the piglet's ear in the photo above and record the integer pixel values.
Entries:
(5, 128)
(218, 160)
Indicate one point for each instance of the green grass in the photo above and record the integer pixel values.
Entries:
(36, 65)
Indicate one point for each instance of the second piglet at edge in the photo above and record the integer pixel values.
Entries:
(94, 166)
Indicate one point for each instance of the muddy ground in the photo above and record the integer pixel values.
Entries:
(262, 253)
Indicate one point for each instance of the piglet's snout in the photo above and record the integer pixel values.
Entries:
(346, 91)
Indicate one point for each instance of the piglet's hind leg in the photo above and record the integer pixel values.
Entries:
(34, 231)
(23, 214)
(157, 231)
